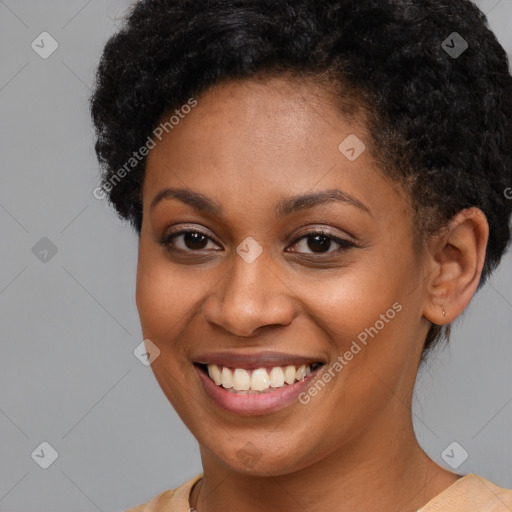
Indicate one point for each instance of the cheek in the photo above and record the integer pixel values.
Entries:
(368, 315)
(345, 304)
(374, 327)
(164, 304)
(164, 295)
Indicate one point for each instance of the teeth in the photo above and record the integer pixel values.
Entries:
(289, 374)
(241, 379)
(214, 373)
(259, 379)
(226, 378)
(276, 377)
(301, 372)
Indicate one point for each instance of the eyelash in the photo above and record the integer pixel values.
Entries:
(344, 244)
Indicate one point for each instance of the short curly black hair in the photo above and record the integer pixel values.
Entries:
(439, 114)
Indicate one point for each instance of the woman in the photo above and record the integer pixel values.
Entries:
(319, 190)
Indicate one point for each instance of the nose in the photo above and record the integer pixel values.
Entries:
(249, 297)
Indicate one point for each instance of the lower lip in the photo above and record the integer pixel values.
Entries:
(254, 404)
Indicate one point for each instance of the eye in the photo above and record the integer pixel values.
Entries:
(319, 242)
(187, 241)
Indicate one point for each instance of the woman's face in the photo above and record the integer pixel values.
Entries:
(254, 286)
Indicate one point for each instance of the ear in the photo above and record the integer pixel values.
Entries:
(455, 260)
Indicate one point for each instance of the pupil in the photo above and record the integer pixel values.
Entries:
(192, 240)
(321, 242)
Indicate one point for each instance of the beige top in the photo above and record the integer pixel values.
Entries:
(471, 493)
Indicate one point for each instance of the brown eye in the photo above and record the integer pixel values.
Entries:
(320, 242)
(194, 240)
(187, 241)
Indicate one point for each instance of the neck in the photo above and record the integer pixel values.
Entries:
(383, 470)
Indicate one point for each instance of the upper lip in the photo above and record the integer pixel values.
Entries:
(251, 361)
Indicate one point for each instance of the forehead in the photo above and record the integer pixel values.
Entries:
(255, 140)
(268, 122)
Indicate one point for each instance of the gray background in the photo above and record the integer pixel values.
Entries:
(69, 324)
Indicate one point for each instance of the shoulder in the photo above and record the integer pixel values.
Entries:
(498, 498)
(172, 500)
(159, 502)
(471, 493)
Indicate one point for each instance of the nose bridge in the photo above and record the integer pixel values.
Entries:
(250, 269)
(242, 282)
(248, 297)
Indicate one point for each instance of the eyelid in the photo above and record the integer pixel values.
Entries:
(181, 229)
(313, 230)
(168, 236)
(342, 242)
(295, 239)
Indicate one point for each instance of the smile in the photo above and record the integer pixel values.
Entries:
(259, 380)
(255, 384)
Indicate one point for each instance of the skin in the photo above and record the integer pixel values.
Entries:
(247, 145)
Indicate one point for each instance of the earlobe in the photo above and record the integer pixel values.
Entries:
(456, 258)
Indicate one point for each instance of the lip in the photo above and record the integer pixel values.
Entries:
(252, 361)
(257, 404)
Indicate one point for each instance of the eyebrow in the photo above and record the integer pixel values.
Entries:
(285, 207)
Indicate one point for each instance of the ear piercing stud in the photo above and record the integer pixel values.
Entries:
(443, 310)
